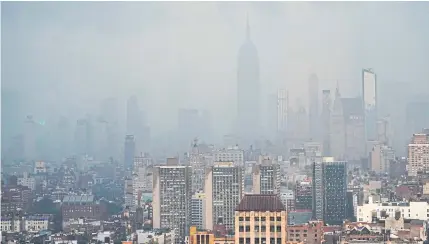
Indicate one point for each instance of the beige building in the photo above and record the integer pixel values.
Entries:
(260, 219)
(266, 178)
(223, 188)
(381, 156)
(418, 154)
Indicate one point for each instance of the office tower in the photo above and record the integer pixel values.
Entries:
(172, 199)
(335, 189)
(313, 151)
(318, 188)
(303, 196)
(223, 188)
(354, 123)
(418, 154)
(129, 152)
(337, 128)
(326, 124)
(198, 209)
(248, 105)
(384, 131)
(271, 117)
(261, 219)
(380, 158)
(101, 139)
(313, 106)
(369, 101)
(266, 178)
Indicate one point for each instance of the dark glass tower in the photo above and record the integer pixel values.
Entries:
(335, 189)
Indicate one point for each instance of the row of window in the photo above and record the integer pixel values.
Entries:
(260, 240)
(260, 218)
(262, 228)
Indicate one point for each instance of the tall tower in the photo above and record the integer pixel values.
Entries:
(337, 130)
(129, 151)
(223, 188)
(172, 199)
(326, 125)
(370, 103)
(313, 106)
(248, 105)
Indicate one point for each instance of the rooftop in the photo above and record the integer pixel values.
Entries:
(261, 202)
(78, 199)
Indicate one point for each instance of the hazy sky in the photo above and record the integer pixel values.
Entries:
(62, 56)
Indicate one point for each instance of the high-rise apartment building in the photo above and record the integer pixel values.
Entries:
(223, 188)
(303, 196)
(329, 191)
(260, 219)
(266, 178)
(418, 154)
(335, 190)
(172, 199)
(198, 210)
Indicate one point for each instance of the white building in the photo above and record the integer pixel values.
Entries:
(10, 225)
(155, 236)
(198, 208)
(27, 181)
(409, 210)
(36, 223)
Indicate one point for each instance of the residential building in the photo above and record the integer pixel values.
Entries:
(381, 156)
(232, 154)
(309, 233)
(335, 190)
(81, 206)
(303, 195)
(260, 219)
(266, 178)
(28, 181)
(224, 184)
(172, 199)
(198, 210)
(418, 154)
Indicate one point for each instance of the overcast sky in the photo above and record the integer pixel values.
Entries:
(70, 55)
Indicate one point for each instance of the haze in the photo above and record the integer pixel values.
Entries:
(64, 58)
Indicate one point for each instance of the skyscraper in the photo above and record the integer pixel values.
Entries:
(172, 199)
(313, 106)
(369, 101)
(329, 191)
(223, 188)
(129, 152)
(326, 125)
(337, 128)
(248, 104)
(335, 190)
(136, 125)
(418, 154)
(266, 178)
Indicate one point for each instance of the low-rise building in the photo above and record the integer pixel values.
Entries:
(309, 233)
(36, 223)
(160, 236)
(409, 210)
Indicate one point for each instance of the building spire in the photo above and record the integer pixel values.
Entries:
(247, 27)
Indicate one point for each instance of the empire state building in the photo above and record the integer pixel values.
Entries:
(248, 96)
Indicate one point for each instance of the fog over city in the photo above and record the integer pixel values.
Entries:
(64, 58)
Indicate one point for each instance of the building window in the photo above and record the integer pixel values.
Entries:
(241, 240)
(279, 218)
(256, 218)
(240, 228)
(240, 218)
(263, 228)
(247, 218)
(263, 219)
(279, 240)
(272, 229)
(247, 228)
(247, 240)
(278, 228)
(256, 240)
(271, 218)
